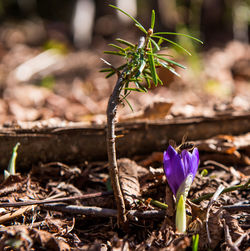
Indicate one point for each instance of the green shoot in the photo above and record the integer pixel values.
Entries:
(195, 242)
(180, 217)
(12, 164)
(153, 20)
(204, 172)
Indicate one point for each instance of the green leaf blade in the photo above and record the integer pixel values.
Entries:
(152, 68)
(141, 28)
(110, 74)
(153, 20)
(178, 34)
(125, 13)
(152, 64)
(147, 80)
(134, 89)
(106, 70)
(139, 86)
(171, 42)
(157, 47)
(118, 47)
(195, 242)
(125, 42)
(117, 53)
(169, 61)
(171, 69)
(125, 98)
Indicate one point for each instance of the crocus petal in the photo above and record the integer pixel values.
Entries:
(174, 169)
(195, 161)
(190, 162)
(178, 166)
(180, 170)
(184, 187)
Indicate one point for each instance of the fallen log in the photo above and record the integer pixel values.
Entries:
(78, 142)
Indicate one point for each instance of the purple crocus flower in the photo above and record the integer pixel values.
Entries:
(178, 167)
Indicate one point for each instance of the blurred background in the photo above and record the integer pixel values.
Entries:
(50, 58)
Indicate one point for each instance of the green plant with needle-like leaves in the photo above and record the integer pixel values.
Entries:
(136, 74)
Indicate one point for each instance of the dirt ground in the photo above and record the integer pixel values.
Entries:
(70, 206)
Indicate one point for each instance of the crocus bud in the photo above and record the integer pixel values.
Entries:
(178, 167)
(180, 170)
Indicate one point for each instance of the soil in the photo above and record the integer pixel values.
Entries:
(67, 198)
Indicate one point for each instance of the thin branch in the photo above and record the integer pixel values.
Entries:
(72, 198)
(236, 208)
(215, 197)
(228, 238)
(113, 103)
(213, 162)
(19, 212)
(237, 243)
(104, 212)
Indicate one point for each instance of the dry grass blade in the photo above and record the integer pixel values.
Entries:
(51, 200)
(215, 197)
(228, 238)
(17, 213)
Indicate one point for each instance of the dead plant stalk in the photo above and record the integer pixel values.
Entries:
(113, 103)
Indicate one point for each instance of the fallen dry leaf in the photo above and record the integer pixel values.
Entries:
(154, 111)
(129, 180)
(24, 238)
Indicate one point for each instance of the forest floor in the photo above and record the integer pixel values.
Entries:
(46, 89)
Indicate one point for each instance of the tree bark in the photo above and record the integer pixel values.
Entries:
(76, 142)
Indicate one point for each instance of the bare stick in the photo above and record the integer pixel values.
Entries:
(237, 208)
(19, 212)
(38, 202)
(240, 239)
(113, 103)
(207, 162)
(215, 197)
(228, 238)
(104, 212)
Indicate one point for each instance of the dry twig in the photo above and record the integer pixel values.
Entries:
(215, 197)
(49, 200)
(235, 208)
(113, 103)
(17, 213)
(104, 212)
(228, 238)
